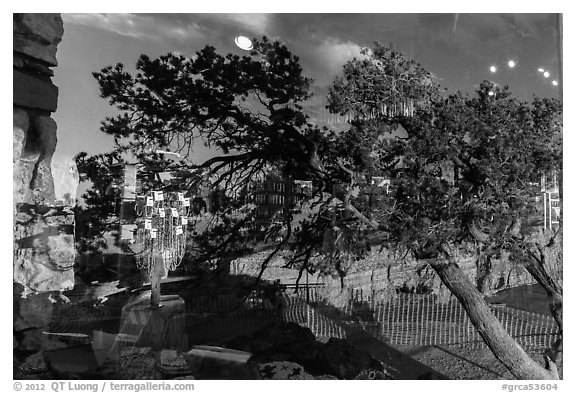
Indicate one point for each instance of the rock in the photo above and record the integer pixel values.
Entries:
(66, 179)
(43, 256)
(33, 148)
(38, 35)
(35, 273)
(33, 364)
(22, 176)
(21, 123)
(44, 244)
(61, 251)
(23, 218)
(34, 311)
(37, 68)
(17, 62)
(289, 342)
(31, 340)
(34, 92)
(275, 336)
(373, 374)
(343, 360)
(283, 371)
(42, 183)
(172, 363)
(17, 290)
(59, 220)
(22, 172)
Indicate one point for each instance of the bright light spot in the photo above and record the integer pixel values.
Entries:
(243, 43)
(511, 63)
(492, 68)
(546, 74)
(490, 93)
(555, 83)
(540, 70)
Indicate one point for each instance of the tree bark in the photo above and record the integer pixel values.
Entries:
(155, 280)
(541, 268)
(538, 271)
(504, 347)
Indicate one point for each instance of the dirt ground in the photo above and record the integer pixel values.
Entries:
(459, 362)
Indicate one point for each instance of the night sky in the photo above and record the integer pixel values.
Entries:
(457, 48)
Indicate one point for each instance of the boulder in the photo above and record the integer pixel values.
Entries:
(31, 340)
(33, 364)
(43, 253)
(32, 91)
(61, 251)
(34, 311)
(42, 183)
(17, 290)
(289, 342)
(22, 170)
(275, 337)
(33, 148)
(21, 122)
(343, 360)
(37, 35)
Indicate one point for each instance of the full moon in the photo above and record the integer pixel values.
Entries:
(243, 43)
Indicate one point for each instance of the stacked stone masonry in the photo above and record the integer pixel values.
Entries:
(44, 254)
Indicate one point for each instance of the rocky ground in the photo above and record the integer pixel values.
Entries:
(283, 351)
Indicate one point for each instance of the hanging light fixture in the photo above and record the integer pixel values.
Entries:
(243, 42)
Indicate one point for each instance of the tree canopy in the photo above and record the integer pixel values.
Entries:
(462, 169)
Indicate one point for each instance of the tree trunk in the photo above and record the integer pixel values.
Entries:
(504, 347)
(547, 275)
(537, 270)
(155, 278)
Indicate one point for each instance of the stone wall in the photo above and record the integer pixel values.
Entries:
(379, 274)
(43, 229)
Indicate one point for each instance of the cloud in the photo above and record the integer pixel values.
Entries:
(144, 27)
(335, 53)
(255, 23)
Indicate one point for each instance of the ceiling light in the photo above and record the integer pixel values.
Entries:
(540, 70)
(492, 68)
(555, 83)
(511, 63)
(546, 74)
(243, 43)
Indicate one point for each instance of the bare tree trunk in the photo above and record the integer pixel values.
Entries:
(155, 279)
(539, 273)
(504, 347)
(545, 266)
